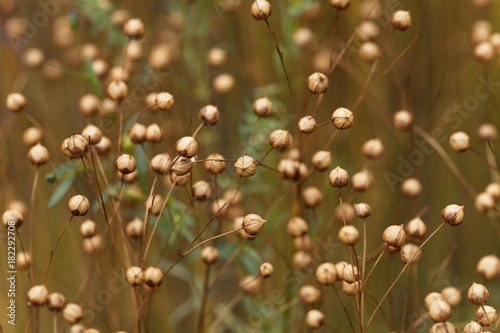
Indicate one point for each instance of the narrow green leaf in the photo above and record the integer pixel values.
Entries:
(61, 190)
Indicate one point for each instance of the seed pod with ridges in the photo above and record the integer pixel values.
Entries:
(77, 145)
(161, 163)
(326, 273)
(453, 214)
(201, 190)
(340, 267)
(209, 255)
(307, 124)
(117, 90)
(338, 177)
(297, 226)
(401, 20)
(153, 276)
(92, 134)
(373, 149)
(38, 155)
(315, 318)
(134, 28)
(154, 133)
(487, 132)
(135, 276)
(493, 189)
(214, 164)
(93, 245)
(431, 298)
(309, 294)
(459, 141)
(209, 115)
(187, 146)
(164, 101)
(137, 133)
(411, 188)
(280, 139)
(155, 203)
(245, 166)
(181, 165)
(342, 118)
(23, 260)
(180, 180)
(261, 9)
(445, 327)
(362, 210)
(351, 273)
(72, 313)
(56, 302)
(288, 168)
(266, 270)
(473, 327)
(103, 146)
(263, 107)
(394, 235)
(15, 102)
(415, 230)
(403, 120)
(88, 228)
(484, 202)
(348, 235)
(38, 295)
(452, 296)
(478, 294)
(351, 288)
(78, 205)
(489, 267)
(317, 83)
(135, 228)
(439, 311)
(410, 251)
(312, 196)
(362, 180)
(253, 224)
(486, 316)
(322, 160)
(302, 260)
(32, 136)
(250, 285)
(126, 164)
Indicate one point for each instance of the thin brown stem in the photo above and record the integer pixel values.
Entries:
(30, 222)
(343, 307)
(54, 248)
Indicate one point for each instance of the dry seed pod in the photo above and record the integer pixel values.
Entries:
(373, 149)
(484, 202)
(135, 276)
(100, 67)
(342, 118)
(180, 180)
(401, 20)
(223, 83)
(19, 206)
(452, 296)
(411, 252)
(32, 136)
(181, 165)
(439, 311)
(56, 302)
(362, 180)
(15, 102)
(473, 327)
(302, 260)
(237, 224)
(322, 160)
(303, 243)
(411, 188)
(261, 9)
(253, 224)
(403, 120)
(478, 294)
(312, 196)
(164, 101)
(38, 155)
(245, 166)
(362, 210)
(88, 228)
(486, 315)
(161, 163)
(93, 245)
(351, 288)
(315, 318)
(317, 83)
(453, 214)
(117, 90)
(297, 227)
(487, 132)
(78, 205)
(33, 57)
(266, 270)
(326, 273)
(128, 178)
(216, 57)
(103, 146)
(72, 313)
(348, 235)
(154, 133)
(280, 139)
(369, 52)
(135, 228)
(350, 273)
(77, 145)
(303, 37)
(484, 52)
(209, 255)
(489, 267)
(201, 190)
(263, 107)
(445, 327)
(288, 168)
(345, 213)
(394, 235)
(493, 189)
(459, 141)
(367, 31)
(307, 124)
(430, 298)
(118, 73)
(134, 28)
(187, 146)
(215, 164)
(155, 204)
(92, 133)
(38, 295)
(209, 115)
(23, 260)
(415, 230)
(309, 294)
(340, 266)
(153, 276)
(338, 177)
(250, 285)
(340, 4)
(77, 328)
(126, 164)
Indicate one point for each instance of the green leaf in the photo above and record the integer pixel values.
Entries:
(61, 190)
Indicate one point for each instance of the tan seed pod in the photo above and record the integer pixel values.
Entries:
(351, 273)
(473, 327)
(280, 139)
(56, 302)
(150, 101)
(237, 224)
(452, 296)
(201, 190)
(33, 57)
(245, 166)
(77, 328)
(486, 315)
(261, 9)
(346, 213)
(118, 73)
(263, 107)
(216, 57)
(493, 189)
(72, 313)
(415, 230)
(253, 224)
(78, 205)
(91, 330)
(484, 202)
(351, 288)
(401, 20)
(38, 295)
(297, 227)
(32, 136)
(250, 285)
(117, 90)
(312, 196)
(92, 134)
(445, 327)
(288, 168)
(453, 214)
(373, 149)
(342, 118)
(315, 318)
(309, 294)
(161, 163)
(489, 267)
(90, 51)
(322, 160)
(317, 83)
(303, 37)
(223, 83)
(23, 260)
(302, 260)
(128, 178)
(410, 252)
(348, 235)
(303, 243)
(326, 273)
(215, 164)
(394, 235)
(93, 245)
(135, 276)
(487, 132)
(459, 141)
(125, 164)
(362, 180)
(369, 52)
(340, 266)
(368, 30)
(307, 124)
(187, 146)
(181, 165)
(154, 133)
(153, 276)
(161, 56)
(100, 67)
(38, 155)
(338, 177)
(155, 204)
(135, 228)
(362, 210)
(88, 228)
(134, 28)
(103, 146)
(209, 115)
(209, 255)
(478, 294)
(77, 145)
(164, 101)
(340, 4)
(484, 52)
(440, 311)
(403, 120)
(411, 188)
(266, 270)
(15, 102)
(430, 298)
